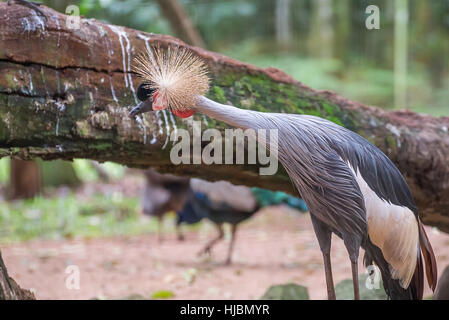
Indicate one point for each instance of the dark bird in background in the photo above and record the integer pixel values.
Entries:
(222, 202)
(163, 193)
(350, 186)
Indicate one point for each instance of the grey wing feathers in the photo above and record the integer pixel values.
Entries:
(324, 180)
(334, 196)
(381, 175)
(376, 168)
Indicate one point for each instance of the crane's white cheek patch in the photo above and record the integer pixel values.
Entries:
(394, 230)
(159, 102)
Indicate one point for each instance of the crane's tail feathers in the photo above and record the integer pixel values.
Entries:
(417, 283)
(393, 287)
(429, 257)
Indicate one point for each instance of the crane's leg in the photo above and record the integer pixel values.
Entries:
(231, 244)
(324, 236)
(352, 243)
(211, 243)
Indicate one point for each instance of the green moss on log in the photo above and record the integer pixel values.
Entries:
(391, 142)
(260, 93)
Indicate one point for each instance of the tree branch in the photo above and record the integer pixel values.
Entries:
(65, 93)
(180, 21)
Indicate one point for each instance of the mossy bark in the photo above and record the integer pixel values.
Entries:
(65, 93)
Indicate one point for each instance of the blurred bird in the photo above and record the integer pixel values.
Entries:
(222, 202)
(195, 199)
(351, 188)
(162, 194)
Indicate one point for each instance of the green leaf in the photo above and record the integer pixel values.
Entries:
(163, 294)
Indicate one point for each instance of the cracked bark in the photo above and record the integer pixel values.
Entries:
(65, 93)
(9, 289)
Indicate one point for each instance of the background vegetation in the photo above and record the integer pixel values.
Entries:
(323, 43)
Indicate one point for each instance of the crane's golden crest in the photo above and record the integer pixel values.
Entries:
(177, 74)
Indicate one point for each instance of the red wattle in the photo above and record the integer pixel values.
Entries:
(183, 114)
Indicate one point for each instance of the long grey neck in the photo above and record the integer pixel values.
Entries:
(231, 115)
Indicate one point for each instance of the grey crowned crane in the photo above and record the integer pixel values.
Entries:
(351, 188)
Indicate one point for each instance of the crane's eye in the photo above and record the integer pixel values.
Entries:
(143, 92)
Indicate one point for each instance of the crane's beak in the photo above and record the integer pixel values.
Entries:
(142, 107)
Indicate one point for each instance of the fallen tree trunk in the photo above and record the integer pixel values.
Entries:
(9, 289)
(65, 93)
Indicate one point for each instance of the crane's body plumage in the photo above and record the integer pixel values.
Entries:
(351, 188)
(347, 183)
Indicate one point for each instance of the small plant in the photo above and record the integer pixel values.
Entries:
(162, 294)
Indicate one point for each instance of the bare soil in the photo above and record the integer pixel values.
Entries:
(275, 247)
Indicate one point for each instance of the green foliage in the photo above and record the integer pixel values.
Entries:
(69, 216)
(4, 170)
(58, 172)
(87, 6)
(163, 294)
(86, 172)
(219, 94)
(83, 169)
(360, 61)
(116, 171)
(361, 82)
(136, 14)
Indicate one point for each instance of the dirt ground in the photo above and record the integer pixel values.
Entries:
(275, 247)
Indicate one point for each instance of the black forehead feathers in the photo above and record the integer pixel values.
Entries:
(144, 91)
